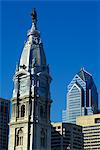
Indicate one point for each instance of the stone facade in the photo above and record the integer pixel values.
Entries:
(30, 127)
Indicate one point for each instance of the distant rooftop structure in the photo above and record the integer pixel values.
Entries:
(66, 136)
(91, 130)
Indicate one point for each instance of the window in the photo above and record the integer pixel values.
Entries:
(6, 109)
(97, 120)
(13, 109)
(42, 138)
(41, 111)
(19, 137)
(22, 110)
(59, 127)
(2, 108)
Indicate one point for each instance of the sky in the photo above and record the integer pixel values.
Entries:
(70, 32)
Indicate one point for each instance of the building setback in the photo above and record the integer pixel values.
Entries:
(82, 97)
(66, 136)
(4, 120)
(30, 127)
(91, 131)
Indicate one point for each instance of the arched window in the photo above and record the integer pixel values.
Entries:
(22, 110)
(19, 138)
(42, 138)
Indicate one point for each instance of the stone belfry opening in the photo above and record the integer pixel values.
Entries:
(30, 127)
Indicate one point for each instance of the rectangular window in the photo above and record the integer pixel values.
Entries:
(97, 120)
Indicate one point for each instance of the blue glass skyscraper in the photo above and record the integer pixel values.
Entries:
(82, 97)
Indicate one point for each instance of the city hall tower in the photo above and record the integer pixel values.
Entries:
(30, 121)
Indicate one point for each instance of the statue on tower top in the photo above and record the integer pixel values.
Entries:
(34, 15)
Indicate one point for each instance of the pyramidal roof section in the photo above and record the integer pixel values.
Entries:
(84, 75)
(33, 53)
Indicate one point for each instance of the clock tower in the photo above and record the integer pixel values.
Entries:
(30, 127)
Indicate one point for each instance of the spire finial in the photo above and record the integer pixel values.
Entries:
(82, 68)
(34, 15)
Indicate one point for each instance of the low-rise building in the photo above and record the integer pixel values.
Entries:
(66, 136)
(4, 120)
(91, 131)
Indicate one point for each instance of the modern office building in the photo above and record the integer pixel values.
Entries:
(82, 97)
(91, 131)
(4, 120)
(30, 126)
(66, 136)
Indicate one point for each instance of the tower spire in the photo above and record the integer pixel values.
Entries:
(33, 52)
(31, 99)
